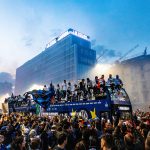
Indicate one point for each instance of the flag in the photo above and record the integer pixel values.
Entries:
(37, 109)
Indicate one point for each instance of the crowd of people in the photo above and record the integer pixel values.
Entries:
(24, 131)
(27, 131)
(18, 100)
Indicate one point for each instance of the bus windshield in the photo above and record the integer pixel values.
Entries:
(120, 94)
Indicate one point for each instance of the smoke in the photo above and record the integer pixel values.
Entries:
(6, 77)
(101, 49)
(5, 87)
(135, 75)
(104, 53)
(6, 83)
(136, 81)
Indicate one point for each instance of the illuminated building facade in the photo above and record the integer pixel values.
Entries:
(68, 56)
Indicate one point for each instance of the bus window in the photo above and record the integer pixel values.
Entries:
(120, 95)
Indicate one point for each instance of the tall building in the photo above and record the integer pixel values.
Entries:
(68, 56)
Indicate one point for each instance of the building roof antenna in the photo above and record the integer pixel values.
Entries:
(145, 51)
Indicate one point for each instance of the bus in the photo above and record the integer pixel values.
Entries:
(107, 105)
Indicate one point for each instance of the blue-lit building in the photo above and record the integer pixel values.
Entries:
(69, 56)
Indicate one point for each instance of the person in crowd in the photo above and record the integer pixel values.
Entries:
(80, 146)
(35, 144)
(53, 135)
(70, 138)
(64, 89)
(117, 116)
(62, 141)
(18, 143)
(44, 138)
(129, 141)
(119, 137)
(147, 143)
(2, 145)
(84, 142)
(107, 142)
(118, 83)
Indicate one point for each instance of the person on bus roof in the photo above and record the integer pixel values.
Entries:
(97, 83)
(89, 87)
(118, 83)
(69, 91)
(45, 89)
(111, 83)
(83, 88)
(102, 83)
(58, 95)
(102, 80)
(77, 92)
(51, 87)
(64, 89)
(96, 87)
(110, 80)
